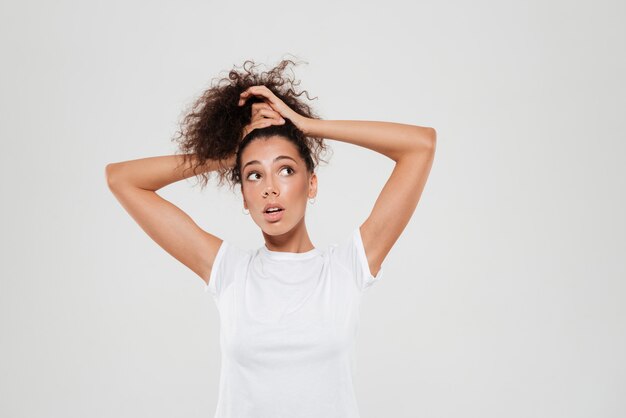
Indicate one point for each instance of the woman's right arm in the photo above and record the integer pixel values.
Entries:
(134, 183)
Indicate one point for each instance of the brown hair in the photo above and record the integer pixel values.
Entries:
(213, 125)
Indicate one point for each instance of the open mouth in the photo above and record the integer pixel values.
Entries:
(273, 215)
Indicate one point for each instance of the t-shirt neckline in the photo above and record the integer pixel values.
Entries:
(284, 255)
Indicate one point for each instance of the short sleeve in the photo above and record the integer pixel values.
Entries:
(228, 260)
(351, 254)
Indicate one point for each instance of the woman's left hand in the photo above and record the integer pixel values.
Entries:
(277, 104)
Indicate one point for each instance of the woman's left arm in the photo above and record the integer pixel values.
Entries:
(412, 148)
(395, 140)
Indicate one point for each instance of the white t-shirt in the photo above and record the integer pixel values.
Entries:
(288, 323)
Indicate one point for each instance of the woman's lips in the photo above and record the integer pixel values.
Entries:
(273, 216)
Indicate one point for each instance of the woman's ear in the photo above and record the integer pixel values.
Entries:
(313, 186)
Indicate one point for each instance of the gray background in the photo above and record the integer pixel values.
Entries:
(503, 296)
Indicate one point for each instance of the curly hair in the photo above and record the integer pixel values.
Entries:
(212, 127)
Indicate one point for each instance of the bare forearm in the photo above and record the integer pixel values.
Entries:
(153, 173)
(388, 138)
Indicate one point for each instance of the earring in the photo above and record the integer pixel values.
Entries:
(245, 213)
(312, 201)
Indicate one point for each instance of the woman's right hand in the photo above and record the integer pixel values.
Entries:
(262, 116)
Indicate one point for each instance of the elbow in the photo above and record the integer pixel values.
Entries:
(426, 138)
(432, 135)
(433, 138)
(110, 174)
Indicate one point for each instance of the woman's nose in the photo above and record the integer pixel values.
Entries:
(271, 187)
(270, 190)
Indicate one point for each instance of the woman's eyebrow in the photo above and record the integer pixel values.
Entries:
(280, 157)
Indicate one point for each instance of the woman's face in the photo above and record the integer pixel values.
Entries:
(272, 172)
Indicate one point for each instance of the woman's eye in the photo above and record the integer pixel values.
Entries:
(251, 174)
(254, 173)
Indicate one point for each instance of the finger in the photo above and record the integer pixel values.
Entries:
(262, 109)
(265, 122)
(257, 124)
(265, 113)
(261, 105)
(262, 123)
(261, 90)
(244, 95)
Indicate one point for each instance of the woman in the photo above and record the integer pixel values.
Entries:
(288, 310)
